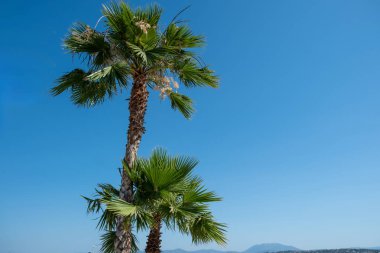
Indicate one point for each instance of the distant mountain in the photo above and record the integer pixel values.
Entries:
(270, 247)
(259, 248)
(196, 251)
(351, 250)
(280, 248)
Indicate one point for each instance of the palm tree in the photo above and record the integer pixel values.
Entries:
(165, 193)
(132, 51)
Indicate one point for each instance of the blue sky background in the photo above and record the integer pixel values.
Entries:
(290, 139)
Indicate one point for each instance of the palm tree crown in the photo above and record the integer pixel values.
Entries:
(165, 192)
(132, 46)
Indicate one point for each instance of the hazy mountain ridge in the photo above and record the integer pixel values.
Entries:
(281, 248)
(259, 248)
(270, 247)
(350, 250)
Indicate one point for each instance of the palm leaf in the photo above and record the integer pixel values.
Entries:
(117, 71)
(182, 103)
(89, 43)
(139, 52)
(164, 173)
(150, 14)
(108, 240)
(85, 92)
(136, 213)
(199, 194)
(121, 207)
(120, 20)
(205, 229)
(107, 219)
(191, 75)
(182, 37)
(68, 80)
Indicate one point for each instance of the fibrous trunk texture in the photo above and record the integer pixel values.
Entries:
(153, 244)
(137, 107)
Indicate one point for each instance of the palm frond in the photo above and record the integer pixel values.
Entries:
(120, 20)
(150, 40)
(174, 19)
(191, 75)
(204, 229)
(181, 103)
(89, 43)
(107, 219)
(185, 164)
(150, 14)
(134, 212)
(176, 212)
(118, 71)
(108, 239)
(181, 37)
(121, 207)
(107, 191)
(84, 92)
(197, 193)
(93, 205)
(157, 57)
(134, 244)
(162, 172)
(139, 52)
(68, 80)
(89, 94)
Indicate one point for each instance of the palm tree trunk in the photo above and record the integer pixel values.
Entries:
(153, 244)
(137, 107)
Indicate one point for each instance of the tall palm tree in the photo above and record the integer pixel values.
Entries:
(165, 193)
(133, 51)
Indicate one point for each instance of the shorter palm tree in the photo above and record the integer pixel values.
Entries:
(166, 193)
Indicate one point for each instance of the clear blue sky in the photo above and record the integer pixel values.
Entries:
(291, 139)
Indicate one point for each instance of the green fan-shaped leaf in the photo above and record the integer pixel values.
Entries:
(182, 103)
